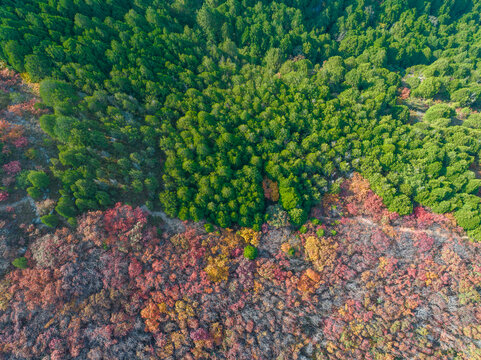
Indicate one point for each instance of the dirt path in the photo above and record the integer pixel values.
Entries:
(369, 222)
(409, 230)
(174, 225)
(26, 200)
(15, 204)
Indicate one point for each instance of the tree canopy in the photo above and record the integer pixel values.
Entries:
(191, 105)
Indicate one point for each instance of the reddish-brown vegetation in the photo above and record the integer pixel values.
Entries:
(382, 286)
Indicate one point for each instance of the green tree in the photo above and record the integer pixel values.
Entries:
(15, 53)
(250, 252)
(57, 93)
(50, 220)
(66, 207)
(298, 216)
(20, 262)
(401, 204)
(437, 113)
(428, 88)
(47, 123)
(38, 179)
(37, 67)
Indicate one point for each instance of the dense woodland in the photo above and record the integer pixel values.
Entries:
(194, 105)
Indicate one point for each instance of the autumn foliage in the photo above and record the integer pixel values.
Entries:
(370, 285)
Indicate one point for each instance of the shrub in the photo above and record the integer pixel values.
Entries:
(38, 179)
(428, 88)
(65, 207)
(34, 192)
(291, 252)
(50, 220)
(298, 216)
(20, 263)
(320, 232)
(208, 227)
(335, 188)
(462, 96)
(47, 123)
(55, 93)
(333, 232)
(250, 252)
(303, 229)
(473, 121)
(401, 204)
(439, 114)
(22, 180)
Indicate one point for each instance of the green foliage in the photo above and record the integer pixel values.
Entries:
(401, 204)
(209, 227)
(473, 121)
(66, 208)
(169, 203)
(320, 232)
(462, 96)
(50, 220)
(250, 252)
(196, 103)
(20, 263)
(428, 88)
(56, 93)
(37, 67)
(298, 216)
(289, 197)
(439, 114)
(291, 252)
(34, 192)
(38, 179)
(22, 179)
(15, 53)
(47, 123)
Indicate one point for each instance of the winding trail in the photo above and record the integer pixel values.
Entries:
(369, 222)
(174, 225)
(15, 204)
(26, 199)
(409, 230)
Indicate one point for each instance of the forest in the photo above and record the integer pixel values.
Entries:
(240, 179)
(191, 106)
